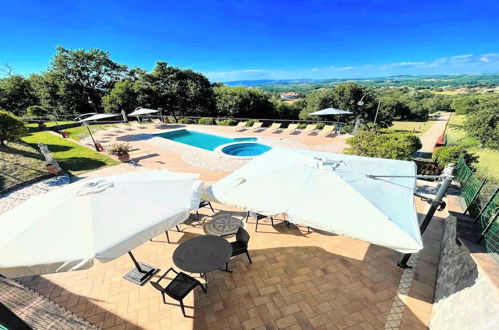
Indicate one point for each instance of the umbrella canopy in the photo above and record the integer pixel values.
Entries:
(330, 111)
(100, 218)
(142, 111)
(100, 116)
(329, 192)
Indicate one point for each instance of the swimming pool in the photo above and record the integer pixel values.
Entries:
(201, 140)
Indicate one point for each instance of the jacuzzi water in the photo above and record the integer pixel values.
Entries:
(245, 149)
(201, 140)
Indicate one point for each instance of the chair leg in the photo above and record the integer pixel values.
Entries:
(247, 216)
(197, 215)
(272, 221)
(178, 228)
(211, 207)
(182, 306)
(256, 228)
(167, 237)
(164, 299)
(247, 254)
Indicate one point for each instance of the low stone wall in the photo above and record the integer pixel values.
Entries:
(465, 295)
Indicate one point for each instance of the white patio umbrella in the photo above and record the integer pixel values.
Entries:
(142, 111)
(329, 192)
(96, 218)
(330, 111)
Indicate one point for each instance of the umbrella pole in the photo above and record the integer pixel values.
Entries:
(436, 203)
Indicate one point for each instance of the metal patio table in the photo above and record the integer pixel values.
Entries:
(202, 254)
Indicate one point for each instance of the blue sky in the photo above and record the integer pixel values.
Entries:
(261, 39)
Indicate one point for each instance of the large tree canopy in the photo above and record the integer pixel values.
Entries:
(242, 102)
(483, 122)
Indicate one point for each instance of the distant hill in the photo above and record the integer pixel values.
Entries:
(302, 85)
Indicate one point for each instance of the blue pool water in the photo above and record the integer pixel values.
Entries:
(200, 140)
(245, 149)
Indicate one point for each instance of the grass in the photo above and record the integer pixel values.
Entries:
(449, 92)
(416, 127)
(489, 158)
(70, 155)
(19, 163)
(76, 133)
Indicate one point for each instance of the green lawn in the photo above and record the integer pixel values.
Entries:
(76, 133)
(19, 163)
(416, 127)
(70, 155)
(489, 158)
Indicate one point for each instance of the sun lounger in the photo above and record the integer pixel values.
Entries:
(274, 127)
(241, 125)
(291, 128)
(256, 125)
(309, 129)
(327, 130)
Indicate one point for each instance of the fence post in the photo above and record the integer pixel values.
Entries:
(489, 225)
(486, 205)
(475, 196)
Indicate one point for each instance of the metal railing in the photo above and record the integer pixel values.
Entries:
(482, 203)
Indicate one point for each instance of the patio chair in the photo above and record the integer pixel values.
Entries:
(170, 120)
(275, 126)
(291, 128)
(256, 125)
(241, 125)
(240, 246)
(204, 203)
(178, 288)
(327, 130)
(309, 129)
(258, 217)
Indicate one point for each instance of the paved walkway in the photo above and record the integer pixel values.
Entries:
(429, 138)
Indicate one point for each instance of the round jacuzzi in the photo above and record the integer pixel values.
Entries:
(245, 149)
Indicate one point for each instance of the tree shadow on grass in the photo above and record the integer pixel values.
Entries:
(81, 164)
(20, 152)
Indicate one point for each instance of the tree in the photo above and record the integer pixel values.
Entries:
(286, 110)
(16, 94)
(124, 96)
(345, 96)
(464, 104)
(11, 127)
(483, 122)
(83, 76)
(242, 102)
(36, 111)
(374, 143)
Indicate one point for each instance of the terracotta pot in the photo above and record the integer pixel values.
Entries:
(124, 158)
(52, 169)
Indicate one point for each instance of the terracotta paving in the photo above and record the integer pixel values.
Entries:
(298, 279)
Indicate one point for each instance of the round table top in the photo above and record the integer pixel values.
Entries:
(202, 254)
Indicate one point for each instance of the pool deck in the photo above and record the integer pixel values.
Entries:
(298, 279)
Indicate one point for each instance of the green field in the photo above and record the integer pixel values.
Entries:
(70, 155)
(489, 158)
(76, 133)
(416, 127)
(19, 163)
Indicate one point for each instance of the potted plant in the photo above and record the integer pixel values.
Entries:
(121, 150)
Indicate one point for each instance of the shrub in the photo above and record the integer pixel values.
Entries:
(250, 123)
(302, 125)
(205, 121)
(11, 127)
(346, 129)
(450, 154)
(119, 149)
(372, 143)
(36, 111)
(186, 121)
(226, 122)
(320, 125)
